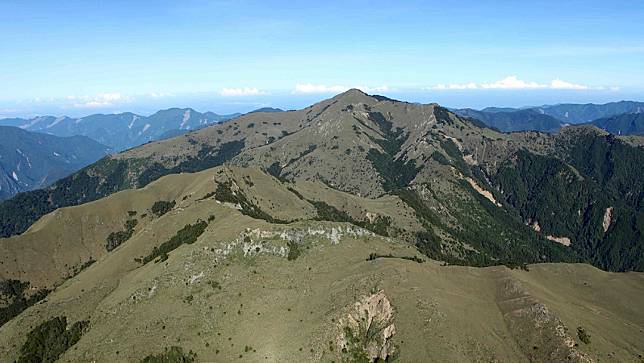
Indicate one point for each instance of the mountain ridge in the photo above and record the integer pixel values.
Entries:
(582, 113)
(509, 120)
(354, 209)
(245, 273)
(550, 118)
(406, 146)
(31, 160)
(121, 130)
(622, 124)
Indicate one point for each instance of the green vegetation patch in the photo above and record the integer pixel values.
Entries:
(49, 340)
(380, 225)
(173, 355)
(294, 191)
(583, 335)
(355, 351)
(440, 158)
(13, 299)
(326, 212)
(162, 207)
(396, 173)
(374, 256)
(294, 251)
(225, 194)
(187, 235)
(115, 239)
(455, 157)
(79, 268)
(275, 169)
(207, 195)
(570, 199)
(497, 236)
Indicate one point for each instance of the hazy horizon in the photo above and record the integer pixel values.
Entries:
(76, 58)
(287, 101)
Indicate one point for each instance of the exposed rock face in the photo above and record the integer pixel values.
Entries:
(608, 217)
(563, 240)
(271, 242)
(487, 194)
(367, 328)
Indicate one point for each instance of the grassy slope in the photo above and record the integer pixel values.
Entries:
(279, 306)
(60, 242)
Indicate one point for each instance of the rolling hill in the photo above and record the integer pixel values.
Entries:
(31, 160)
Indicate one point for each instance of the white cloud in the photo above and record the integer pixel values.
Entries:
(513, 82)
(559, 84)
(470, 85)
(100, 100)
(241, 92)
(320, 88)
(160, 94)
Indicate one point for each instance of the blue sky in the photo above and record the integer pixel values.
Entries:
(81, 57)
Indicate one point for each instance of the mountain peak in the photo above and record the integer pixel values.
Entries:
(355, 95)
(353, 92)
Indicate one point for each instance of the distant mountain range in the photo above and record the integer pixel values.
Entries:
(515, 120)
(127, 130)
(31, 160)
(583, 113)
(123, 130)
(551, 118)
(624, 124)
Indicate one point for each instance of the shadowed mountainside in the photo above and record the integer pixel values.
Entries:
(31, 160)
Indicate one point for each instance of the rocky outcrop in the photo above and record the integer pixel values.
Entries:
(608, 217)
(538, 332)
(563, 240)
(276, 242)
(366, 329)
(485, 193)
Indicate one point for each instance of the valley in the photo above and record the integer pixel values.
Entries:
(31, 160)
